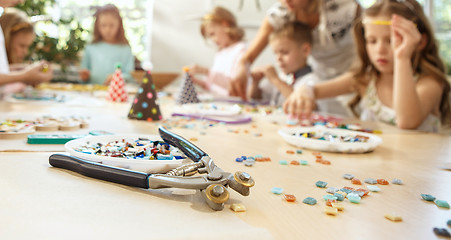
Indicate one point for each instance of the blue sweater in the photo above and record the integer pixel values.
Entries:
(101, 59)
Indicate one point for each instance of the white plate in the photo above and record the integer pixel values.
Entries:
(141, 165)
(328, 146)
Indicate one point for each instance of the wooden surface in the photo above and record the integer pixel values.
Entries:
(41, 202)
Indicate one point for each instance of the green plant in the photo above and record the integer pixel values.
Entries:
(64, 49)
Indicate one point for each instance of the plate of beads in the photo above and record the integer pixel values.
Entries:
(16, 128)
(320, 138)
(144, 153)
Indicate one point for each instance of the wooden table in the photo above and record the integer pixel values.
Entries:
(41, 202)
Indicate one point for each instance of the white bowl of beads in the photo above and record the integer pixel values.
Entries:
(143, 153)
(320, 138)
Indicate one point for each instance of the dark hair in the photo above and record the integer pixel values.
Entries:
(296, 31)
(113, 10)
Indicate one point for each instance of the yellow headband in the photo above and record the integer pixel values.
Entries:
(20, 26)
(377, 22)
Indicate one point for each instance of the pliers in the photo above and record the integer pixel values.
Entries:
(212, 182)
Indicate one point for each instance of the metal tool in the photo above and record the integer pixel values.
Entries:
(212, 181)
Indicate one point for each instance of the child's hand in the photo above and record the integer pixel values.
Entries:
(196, 69)
(405, 37)
(84, 74)
(300, 103)
(257, 75)
(270, 72)
(108, 79)
(38, 73)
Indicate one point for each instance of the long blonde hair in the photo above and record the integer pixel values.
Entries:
(109, 9)
(425, 62)
(14, 21)
(222, 16)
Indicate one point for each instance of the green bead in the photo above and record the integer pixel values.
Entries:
(309, 201)
(321, 184)
(428, 197)
(441, 203)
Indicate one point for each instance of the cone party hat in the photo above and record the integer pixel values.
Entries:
(116, 90)
(187, 93)
(145, 105)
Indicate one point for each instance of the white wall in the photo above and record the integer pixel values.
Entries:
(175, 36)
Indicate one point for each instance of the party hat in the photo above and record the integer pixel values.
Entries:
(116, 91)
(145, 105)
(187, 93)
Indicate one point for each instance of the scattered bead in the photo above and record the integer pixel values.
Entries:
(371, 181)
(321, 184)
(330, 201)
(249, 163)
(289, 197)
(299, 151)
(359, 193)
(339, 196)
(290, 152)
(331, 190)
(347, 191)
(238, 207)
(277, 190)
(382, 181)
(428, 197)
(354, 198)
(262, 159)
(329, 197)
(309, 201)
(344, 194)
(304, 162)
(283, 162)
(330, 211)
(397, 181)
(393, 217)
(238, 159)
(442, 232)
(373, 188)
(295, 162)
(338, 206)
(364, 191)
(449, 223)
(348, 176)
(356, 181)
(441, 203)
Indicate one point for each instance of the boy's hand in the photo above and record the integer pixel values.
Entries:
(84, 74)
(270, 73)
(405, 37)
(300, 103)
(38, 73)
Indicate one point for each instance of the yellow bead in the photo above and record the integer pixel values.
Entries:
(393, 217)
(238, 207)
(338, 206)
(342, 193)
(331, 211)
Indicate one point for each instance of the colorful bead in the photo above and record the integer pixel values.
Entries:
(347, 191)
(428, 197)
(339, 196)
(356, 181)
(330, 201)
(371, 181)
(382, 181)
(442, 232)
(309, 201)
(304, 162)
(441, 203)
(249, 163)
(449, 223)
(344, 194)
(295, 162)
(393, 217)
(238, 159)
(348, 176)
(354, 198)
(329, 197)
(290, 152)
(331, 190)
(277, 190)
(289, 197)
(338, 206)
(299, 151)
(397, 181)
(283, 162)
(373, 188)
(321, 184)
(364, 191)
(238, 207)
(330, 211)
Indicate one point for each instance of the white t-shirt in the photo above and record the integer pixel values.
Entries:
(4, 66)
(224, 68)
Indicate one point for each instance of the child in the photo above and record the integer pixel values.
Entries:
(220, 27)
(109, 48)
(33, 74)
(292, 45)
(400, 80)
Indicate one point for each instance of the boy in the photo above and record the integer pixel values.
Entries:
(291, 45)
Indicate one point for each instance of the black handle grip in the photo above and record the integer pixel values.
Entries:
(99, 171)
(189, 149)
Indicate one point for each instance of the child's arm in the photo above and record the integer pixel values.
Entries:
(255, 92)
(302, 101)
(413, 100)
(283, 87)
(196, 69)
